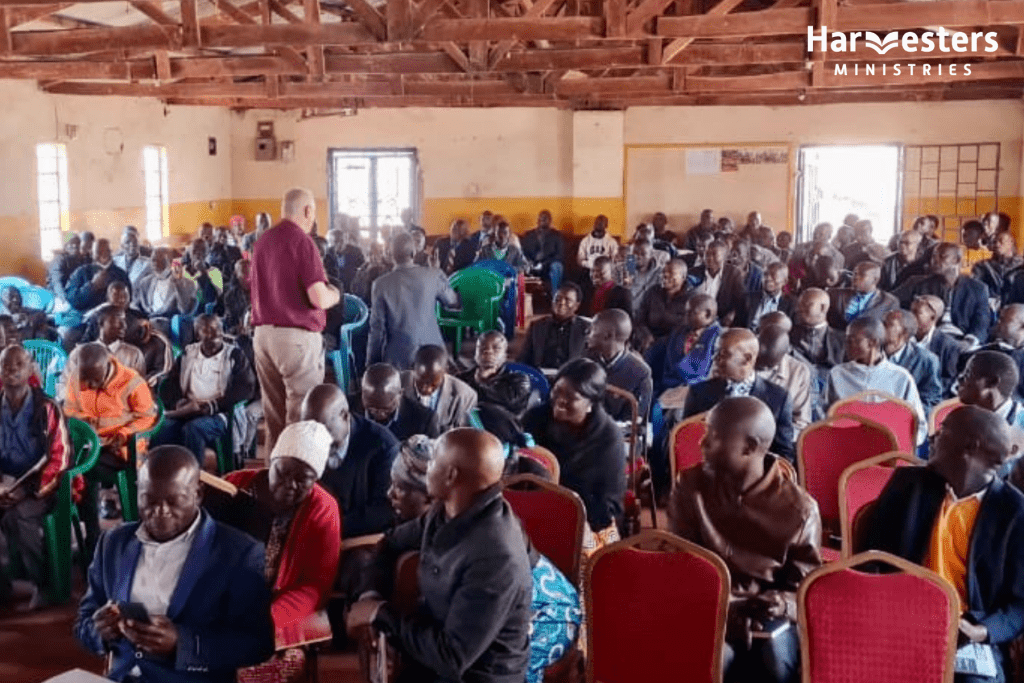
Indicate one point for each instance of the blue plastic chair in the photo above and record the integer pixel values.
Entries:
(14, 281)
(539, 385)
(37, 298)
(344, 358)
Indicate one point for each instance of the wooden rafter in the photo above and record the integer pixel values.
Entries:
(151, 10)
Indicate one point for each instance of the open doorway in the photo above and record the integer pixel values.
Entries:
(837, 180)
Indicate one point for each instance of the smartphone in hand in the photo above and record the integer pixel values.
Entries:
(135, 611)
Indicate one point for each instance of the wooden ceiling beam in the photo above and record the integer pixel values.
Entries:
(400, 20)
(554, 29)
(57, 71)
(395, 62)
(286, 34)
(370, 17)
(770, 22)
(280, 10)
(232, 12)
(94, 40)
(946, 13)
(190, 22)
(581, 58)
(151, 10)
(537, 9)
(24, 15)
(580, 87)
(680, 44)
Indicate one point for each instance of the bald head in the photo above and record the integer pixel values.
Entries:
(327, 404)
(466, 462)
(168, 495)
(773, 342)
(93, 364)
(299, 207)
(777, 319)
(740, 431)
(813, 306)
(971, 445)
(737, 352)
(381, 392)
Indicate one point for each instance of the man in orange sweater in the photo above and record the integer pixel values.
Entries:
(114, 400)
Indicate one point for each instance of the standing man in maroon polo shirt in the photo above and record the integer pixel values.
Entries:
(290, 296)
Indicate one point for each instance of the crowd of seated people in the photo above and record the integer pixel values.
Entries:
(175, 355)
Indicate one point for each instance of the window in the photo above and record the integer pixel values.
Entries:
(154, 165)
(52, 171)
(957, 183)
(374, 187)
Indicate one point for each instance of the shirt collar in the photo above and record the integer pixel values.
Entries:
(1003, 411)
(337, 456)
(182, 539)
(740, 388)
(897, 356)
(927, 339)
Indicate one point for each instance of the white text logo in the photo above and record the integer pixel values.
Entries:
(940, 40)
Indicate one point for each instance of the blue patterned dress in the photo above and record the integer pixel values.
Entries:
(556, 618)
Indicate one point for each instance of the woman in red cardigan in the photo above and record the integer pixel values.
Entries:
(300, 524)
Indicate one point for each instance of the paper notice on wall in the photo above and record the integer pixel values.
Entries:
(703, 161)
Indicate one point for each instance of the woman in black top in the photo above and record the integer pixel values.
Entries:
(588, 444)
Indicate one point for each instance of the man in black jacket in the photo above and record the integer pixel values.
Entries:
(771, 298)
(544, 248)
(384, 404)
(734, 362)
(955, 508)
(554, 340)
(358, 470)
(928, 310)
(492, 380)
(626, 370)
(475, 583)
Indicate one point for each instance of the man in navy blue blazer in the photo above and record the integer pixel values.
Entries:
(735, 360)
(959, 488)
(199, 583)
(922, 364)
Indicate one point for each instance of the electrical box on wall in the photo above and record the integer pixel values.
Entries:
(266, 143)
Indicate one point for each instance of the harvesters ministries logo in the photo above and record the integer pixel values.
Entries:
(938, 43)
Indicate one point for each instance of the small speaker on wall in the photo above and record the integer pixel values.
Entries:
(212, 144)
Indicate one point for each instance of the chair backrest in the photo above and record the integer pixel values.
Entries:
(356, 314)
(51, 358)
(407, 583)
(86, 445)
(479, 292)
(553, 517)
(828, 447)
(860, 484)
(542, 456)
(939, 413)
(857, 627)
(539, 384)
(684, 443)
(14, 281)
(884, 409)
(646, 597)
(37, 298)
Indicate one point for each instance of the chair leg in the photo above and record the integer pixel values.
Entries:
(127, 490)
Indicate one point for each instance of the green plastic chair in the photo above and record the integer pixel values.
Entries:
(64, 517)
(480, 292)
(225, 446)
(125, 480)
(51, 359)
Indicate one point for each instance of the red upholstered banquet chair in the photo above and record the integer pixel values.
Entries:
(860, 484)
(826, 448)
(656, 607)
(857, 627)
(684, 443)
(885, 409)
(940, 412)
(553, 517)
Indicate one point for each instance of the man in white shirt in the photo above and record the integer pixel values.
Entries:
(157, 620)
(130, 259)
(867, 368)
(598, 243)
(165, 291)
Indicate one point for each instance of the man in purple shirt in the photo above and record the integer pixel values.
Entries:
(290, 297)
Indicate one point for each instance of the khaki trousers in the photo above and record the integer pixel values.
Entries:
(289, 362)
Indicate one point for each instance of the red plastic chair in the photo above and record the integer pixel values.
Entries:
(656, 607)
(827, 448)
(864, 628)
(939, 414)
(684, 443)
(553, 517)
(885, 409)
(860, 484)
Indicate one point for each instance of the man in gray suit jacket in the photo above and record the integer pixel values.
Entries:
(429, 384)
(402, 315)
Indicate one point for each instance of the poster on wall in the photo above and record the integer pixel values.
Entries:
(702, 161)
(732, 159)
